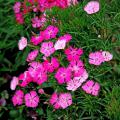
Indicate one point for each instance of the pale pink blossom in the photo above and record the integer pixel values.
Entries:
(107, 56)
(31, 99)
(32, 55)
(91, 87)
(92, 7)
(60, 44)
(17, 99)
(17, 7)
(14, 83)
(41, 91)
(96, 58)
(47, 48)
(63, 75)
(22, 43)
(65, 100)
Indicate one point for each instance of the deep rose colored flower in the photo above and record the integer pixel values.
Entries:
(62, 3)
(38, 72)
(17, 99)
(63, 75)
(31, 99)
(91, 87)
(107, 56)
(96, 58)
(50, 32)
(14, 83)
(51, 66)
(36, 39)
(92, 7)
(24, 79)
(65, 100)
(47, 48)
(17, 7)
(76, 82)
(73, 53)
(41, 91)
(77, 67)
(32, 55)
(54, 100)
(19, 17)
(22, 43)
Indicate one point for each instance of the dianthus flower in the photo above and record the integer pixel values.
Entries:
(19, 17)
(36, 39)
(73, 53)
(22, 43)
(107, 56)
(63, 75)
(47, 48)
(51, 66)
(50, 32)
(17, 99)
(65, 100)
(92, 7)
(14, 83)
(91, 87)
(31, 99)
(32, 55)
(96, 58)
(62, 3)
(41, 91)
(17, 7)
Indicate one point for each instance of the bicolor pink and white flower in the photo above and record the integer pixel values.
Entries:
(22, 43)
(17, 98)
(107, 56)
(91, 87)
(32, 55)
(31, 99)
(92, 7)
(47, 48)
(14, 83)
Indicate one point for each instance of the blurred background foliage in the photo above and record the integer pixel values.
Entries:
(99, 31)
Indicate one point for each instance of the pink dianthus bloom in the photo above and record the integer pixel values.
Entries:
(17, 7)
(76, 82)
(62, 3)
(107, 56)
(47, 48)
(31, 99)
(22, 43)
(41, 91)
(50, 32)
(65, 100)
(77, 67)
(91, 87)
(36, 39)
(96, 58)
(63, 75)
(32, 55)
(24, 79)
(51, 66)
(14, 83)
(54, 100)
(92, 7)
(17, 99)
(73, 53)
(19, 17)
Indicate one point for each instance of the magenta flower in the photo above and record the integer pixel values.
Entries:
(96, 58)
(73, 53)
(51, 66)
(31, 99)
(36, 39)
(17, 7)
(47, 48)
(62, 3)
(19, 17)
(14, 83)
(66, 37)
(77, 67)
(54, 100)
(63, 75)
(22, 43)
(50, 32)
(91, 87)
(92, 7)
(107, 56)
(24, 79)
(65, 100)
(32, 55)
(17, 99)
